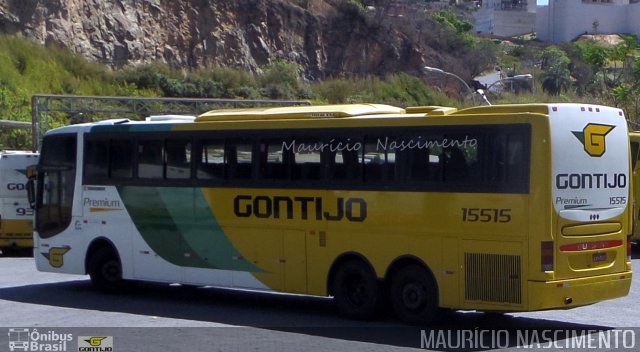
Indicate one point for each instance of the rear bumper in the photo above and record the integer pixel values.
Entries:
(577, 292)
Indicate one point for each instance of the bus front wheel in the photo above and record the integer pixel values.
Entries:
(357, 293)
(105, 270)
(414, 295)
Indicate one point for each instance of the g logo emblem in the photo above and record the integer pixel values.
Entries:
(56, 256)
(592, 137)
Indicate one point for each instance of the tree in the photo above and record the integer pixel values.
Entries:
(551, 55)
(483, 55)
(556, 76)
(622, 96)
(624, 52)
(595, 55)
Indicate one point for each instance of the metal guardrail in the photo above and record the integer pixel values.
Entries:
(14, 124)
(78, 108)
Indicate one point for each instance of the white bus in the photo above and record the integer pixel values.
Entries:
(16, 216)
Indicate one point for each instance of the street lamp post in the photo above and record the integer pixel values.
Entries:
(443, 72)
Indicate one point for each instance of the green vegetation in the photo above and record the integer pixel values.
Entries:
(584, 71)
(571, 72)
(450, 19)
(27, 68)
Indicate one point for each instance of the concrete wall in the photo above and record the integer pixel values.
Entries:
(512, 23)
(564, 20)
(633, 18)
(490, 18)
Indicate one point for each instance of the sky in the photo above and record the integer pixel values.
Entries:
(543, 2)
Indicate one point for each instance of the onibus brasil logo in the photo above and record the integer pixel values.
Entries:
(32, 340)
(24, 339)
(593, 138)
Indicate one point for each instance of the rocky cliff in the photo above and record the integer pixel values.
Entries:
(325, 37)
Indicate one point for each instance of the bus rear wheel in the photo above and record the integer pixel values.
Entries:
(105, 270)
(414, 295)
(357, 293)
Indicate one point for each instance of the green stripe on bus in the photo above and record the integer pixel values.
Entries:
(178, 225)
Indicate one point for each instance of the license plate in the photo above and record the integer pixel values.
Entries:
(599, 257)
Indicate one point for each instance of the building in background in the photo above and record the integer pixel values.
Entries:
(506, 18)
(564, 20)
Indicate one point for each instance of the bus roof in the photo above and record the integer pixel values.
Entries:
(317, 113)
(300, 112)
(360, 110)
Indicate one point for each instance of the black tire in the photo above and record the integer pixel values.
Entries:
(357, 292)
(105, 270)
(414, 295)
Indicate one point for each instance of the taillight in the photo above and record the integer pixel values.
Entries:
(546, 255)
(628, 247)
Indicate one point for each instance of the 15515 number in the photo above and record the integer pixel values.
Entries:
(486, 215)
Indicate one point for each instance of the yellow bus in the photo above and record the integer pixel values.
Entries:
(494, 208)
(16, 216)
(634, 141)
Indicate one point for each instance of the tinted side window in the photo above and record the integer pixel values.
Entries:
(508, 161)
(150, 159)
(211, 160)
(96, 168)
(108, 159)
(307, 156)
(379, 159)
(275, 159)
(121, 159)
(460, 156)
(345, 156)
(420, 158)
(178, 163)
(239, 159)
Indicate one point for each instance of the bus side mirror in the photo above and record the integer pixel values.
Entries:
(32, 172)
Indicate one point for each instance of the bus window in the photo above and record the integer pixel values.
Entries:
(307, 159)
(459, 159)
(178, 159)
(121, 159)
(96, 168)
(517, 160)
(150, 159)
(379, 163)
(107, 160)
(455, 165)
(345, 161)
(239, 158)
(275, 160)
(421, 159)
(211, 161)
(507, 166)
